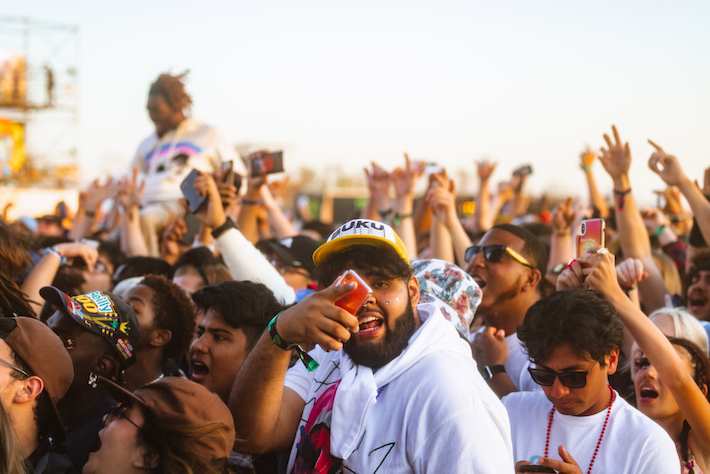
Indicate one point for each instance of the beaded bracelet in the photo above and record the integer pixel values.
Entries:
(55, 252)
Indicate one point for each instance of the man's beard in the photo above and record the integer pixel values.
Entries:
(380, 353)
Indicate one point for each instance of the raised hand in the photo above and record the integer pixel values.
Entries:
(616, 159)
(630, 272)
(441, 197)
(586, 158)
(563, 218)
(97, 193)
(212, 215)
(666, 166)
(706, 182)
(316, 319)
(404, 179)
(79, 249)
(485, 169)
(130, 193)
(170, 242)
(378, 180)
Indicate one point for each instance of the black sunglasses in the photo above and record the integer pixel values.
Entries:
(494, 253)
(569, 379)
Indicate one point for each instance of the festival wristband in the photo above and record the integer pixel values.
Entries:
(659, 230)
(53, 251)
(307, 360)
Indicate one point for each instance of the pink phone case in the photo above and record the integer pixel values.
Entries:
(592, 234)
(353, 301)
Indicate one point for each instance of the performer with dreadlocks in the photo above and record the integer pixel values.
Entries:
(179, 144)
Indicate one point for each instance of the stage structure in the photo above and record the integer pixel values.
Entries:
(39, 99)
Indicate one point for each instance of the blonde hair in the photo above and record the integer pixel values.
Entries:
(10, 458)
(671, 277)
(685, 325)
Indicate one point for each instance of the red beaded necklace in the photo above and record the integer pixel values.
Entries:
(601, 436)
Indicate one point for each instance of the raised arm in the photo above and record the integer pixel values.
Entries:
(561, 248)
(595, 198)
(282, 227)
(484, 217)
(404, 180)
(248, 214)
(85, 217)
(633, 237)
(671, 369)
(130, 195)
(669, 169)
(266, 414)
(442, 200)
(46, 269)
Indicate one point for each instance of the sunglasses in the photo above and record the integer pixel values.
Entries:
(494, 253)
(14, 367)
(569, 379)
(119, 411)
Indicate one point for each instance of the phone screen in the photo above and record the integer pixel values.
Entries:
(267, 163)
(592, 234)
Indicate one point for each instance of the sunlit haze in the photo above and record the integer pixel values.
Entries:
(343, 83)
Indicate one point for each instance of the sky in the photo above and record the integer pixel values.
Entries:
(340, 84)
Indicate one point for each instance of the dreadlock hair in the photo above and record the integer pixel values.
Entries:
(172, 89)
(14, 257)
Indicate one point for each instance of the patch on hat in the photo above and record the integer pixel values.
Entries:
(361, 232)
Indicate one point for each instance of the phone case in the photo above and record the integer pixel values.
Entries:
(353, 301)
(592, 234)
(194, 200)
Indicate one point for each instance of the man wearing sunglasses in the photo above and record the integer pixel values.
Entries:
(578, 423)
(508, 264)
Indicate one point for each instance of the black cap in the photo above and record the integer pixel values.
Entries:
(296, 251)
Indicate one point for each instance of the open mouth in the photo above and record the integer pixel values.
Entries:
(369, 324)
(480, 281)
(648, 393)
(199, 370)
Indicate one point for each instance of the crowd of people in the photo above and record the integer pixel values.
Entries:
(137, 335)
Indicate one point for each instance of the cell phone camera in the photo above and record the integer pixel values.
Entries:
(584, 228)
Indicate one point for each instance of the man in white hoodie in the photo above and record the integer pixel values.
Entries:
(179, 144)
(400, 393)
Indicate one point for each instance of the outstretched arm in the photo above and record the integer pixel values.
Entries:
(669, 169)
(561, 248)
(632, 231)
(595, 198)
(129, 197)
(671, 369)
(483, 216)
(404, 179)
(442, 199)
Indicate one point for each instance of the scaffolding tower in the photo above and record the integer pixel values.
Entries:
(39, 95)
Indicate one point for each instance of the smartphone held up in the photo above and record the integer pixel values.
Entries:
(592, 234)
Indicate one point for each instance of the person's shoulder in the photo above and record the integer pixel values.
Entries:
(632, 417)
(147, 143)
(526, 400)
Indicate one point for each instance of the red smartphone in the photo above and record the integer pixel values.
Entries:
(592, 234)
(356, 299)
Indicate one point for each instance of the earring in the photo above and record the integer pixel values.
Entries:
(92, 380)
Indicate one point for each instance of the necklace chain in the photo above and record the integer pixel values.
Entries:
(601, 436)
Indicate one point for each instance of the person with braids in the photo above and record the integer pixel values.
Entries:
(670, 374)
(166, 317)
(14, 258)
(179, 144)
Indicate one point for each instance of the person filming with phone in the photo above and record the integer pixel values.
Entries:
(391, 386)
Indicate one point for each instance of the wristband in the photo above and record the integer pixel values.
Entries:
(488, 371)
(620, 196)
(249, 202)
(586, 168)
(90, 213)
(307, 360)
(659, 230)
(385, 215)
(228, 224)
(398, 218)
(55, 252)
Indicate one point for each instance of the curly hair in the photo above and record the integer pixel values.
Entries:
(174, 311)
(172, 89)
(581, 319)
(375, 260)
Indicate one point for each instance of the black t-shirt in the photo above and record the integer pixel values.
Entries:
(81, 435)
(50, 459)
